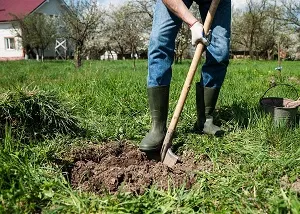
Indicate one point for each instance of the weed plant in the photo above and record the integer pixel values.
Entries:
(35, 114)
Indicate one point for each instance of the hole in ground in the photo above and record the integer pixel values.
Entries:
(115, 167)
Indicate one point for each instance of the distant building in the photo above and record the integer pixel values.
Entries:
(109, 55)
(10, 45)
(239, 54)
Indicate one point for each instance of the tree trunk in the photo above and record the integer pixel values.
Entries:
(77, 58)
(37, 54)
(133, 57)
(251, 47)
(43, 54)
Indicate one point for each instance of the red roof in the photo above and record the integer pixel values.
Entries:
(17, 7)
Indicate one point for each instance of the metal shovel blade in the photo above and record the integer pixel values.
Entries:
(170, 159)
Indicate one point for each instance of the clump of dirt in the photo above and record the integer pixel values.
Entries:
(296, 186)
(294, 79)
(115, 167)
(286, 184)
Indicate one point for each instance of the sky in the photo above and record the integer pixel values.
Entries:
(239, 3)
(236, 3)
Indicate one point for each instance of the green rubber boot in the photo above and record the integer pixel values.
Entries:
(158, 98)
(206, 99)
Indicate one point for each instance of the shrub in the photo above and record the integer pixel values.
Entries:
(36, 114)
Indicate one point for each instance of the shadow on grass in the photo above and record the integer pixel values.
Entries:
(238, 113)
(66, 166)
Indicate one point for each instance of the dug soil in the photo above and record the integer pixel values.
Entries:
(285, 183)
(115, 167)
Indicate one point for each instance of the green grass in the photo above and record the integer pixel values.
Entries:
(109, 99)
(36, 115)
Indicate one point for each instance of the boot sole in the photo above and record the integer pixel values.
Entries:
(146, 149)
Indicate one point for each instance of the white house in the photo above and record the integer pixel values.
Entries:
(109, 55)
(10, 45)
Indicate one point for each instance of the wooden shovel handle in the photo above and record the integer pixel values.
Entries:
(189, 79)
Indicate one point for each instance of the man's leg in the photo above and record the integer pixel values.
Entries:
(214, 69)
(160, 59)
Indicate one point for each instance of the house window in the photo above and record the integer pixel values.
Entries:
(10, 43)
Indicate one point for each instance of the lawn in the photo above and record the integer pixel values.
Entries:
(256, 166)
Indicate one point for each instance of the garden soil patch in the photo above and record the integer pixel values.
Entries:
(286, 184)
(296, 186)
(116, 167)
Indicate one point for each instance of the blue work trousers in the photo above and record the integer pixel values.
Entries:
(162, 44)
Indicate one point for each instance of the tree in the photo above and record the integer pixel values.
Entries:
(145, 9)
(183, 39)
(81, 21)
(254, 29)
(182, 42)
(125, 33)
(264, 26)
(37, 32)
(291, 13)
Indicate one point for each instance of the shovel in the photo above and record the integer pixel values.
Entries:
(166, 154)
